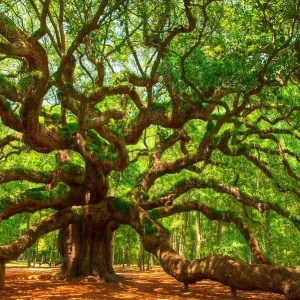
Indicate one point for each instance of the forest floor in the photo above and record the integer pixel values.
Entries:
(25, 283)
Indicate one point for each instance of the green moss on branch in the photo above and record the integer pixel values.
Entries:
(149, 227)
(71, 168)
(69, 129)
(123, 205)
(43, 194)
(77, 211)
(155, 213)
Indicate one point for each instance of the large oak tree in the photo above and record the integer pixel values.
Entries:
(122, 94)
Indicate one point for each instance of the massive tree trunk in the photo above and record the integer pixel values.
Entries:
(86, 247)
(87, 250)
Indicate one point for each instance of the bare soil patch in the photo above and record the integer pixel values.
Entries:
(24, 283)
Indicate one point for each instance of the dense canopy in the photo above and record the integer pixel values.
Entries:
(127, 112)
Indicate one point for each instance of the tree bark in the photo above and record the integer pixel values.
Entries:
(238, 275)
(150, 261)
(198, 235)
(28, 250)
(2, 276)
(141, 256)
(87, 250)
(28, 257)
(182, 237)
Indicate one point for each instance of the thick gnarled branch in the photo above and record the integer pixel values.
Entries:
(238, 275)
(186, 185)
(98, 213)
(213, 214)
(36, 199)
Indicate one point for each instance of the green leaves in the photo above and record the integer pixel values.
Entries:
(32, 78)
(123, 204)
(5, 83)
(68, 129)
(149, 227)
(219, 104)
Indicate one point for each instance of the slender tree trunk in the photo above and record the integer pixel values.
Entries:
(219, 231)
(33, 256)
(174, 239)
(57, 256)
(36, 252)
(192, 247)
(150, 261)
(269, 250)
(28, 256)
(128, 255)
(141, 258)
(2, 276)
(184, 218)
(28, 251)
(51, 257)
(123, 257)
(198, 234)
(212, 252)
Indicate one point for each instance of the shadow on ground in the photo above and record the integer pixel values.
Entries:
(23, 283)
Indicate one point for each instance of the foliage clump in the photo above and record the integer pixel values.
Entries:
(41, 193)
(71, 167)
(100, 154)
(123, 204)
(165, 228)
(68, 129)
(32, 78)
(95, 138)
(219, 213)
(149, 227)
(160, 106)
(5, 83)
(154, 213)
(77, 211)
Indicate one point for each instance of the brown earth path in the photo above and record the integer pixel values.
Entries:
(24, 283)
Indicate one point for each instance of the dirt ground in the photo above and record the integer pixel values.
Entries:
(23, 283)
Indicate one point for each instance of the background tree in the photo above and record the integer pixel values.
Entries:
(119, 110)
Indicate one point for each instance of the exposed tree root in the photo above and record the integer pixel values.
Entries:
(106, 277)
